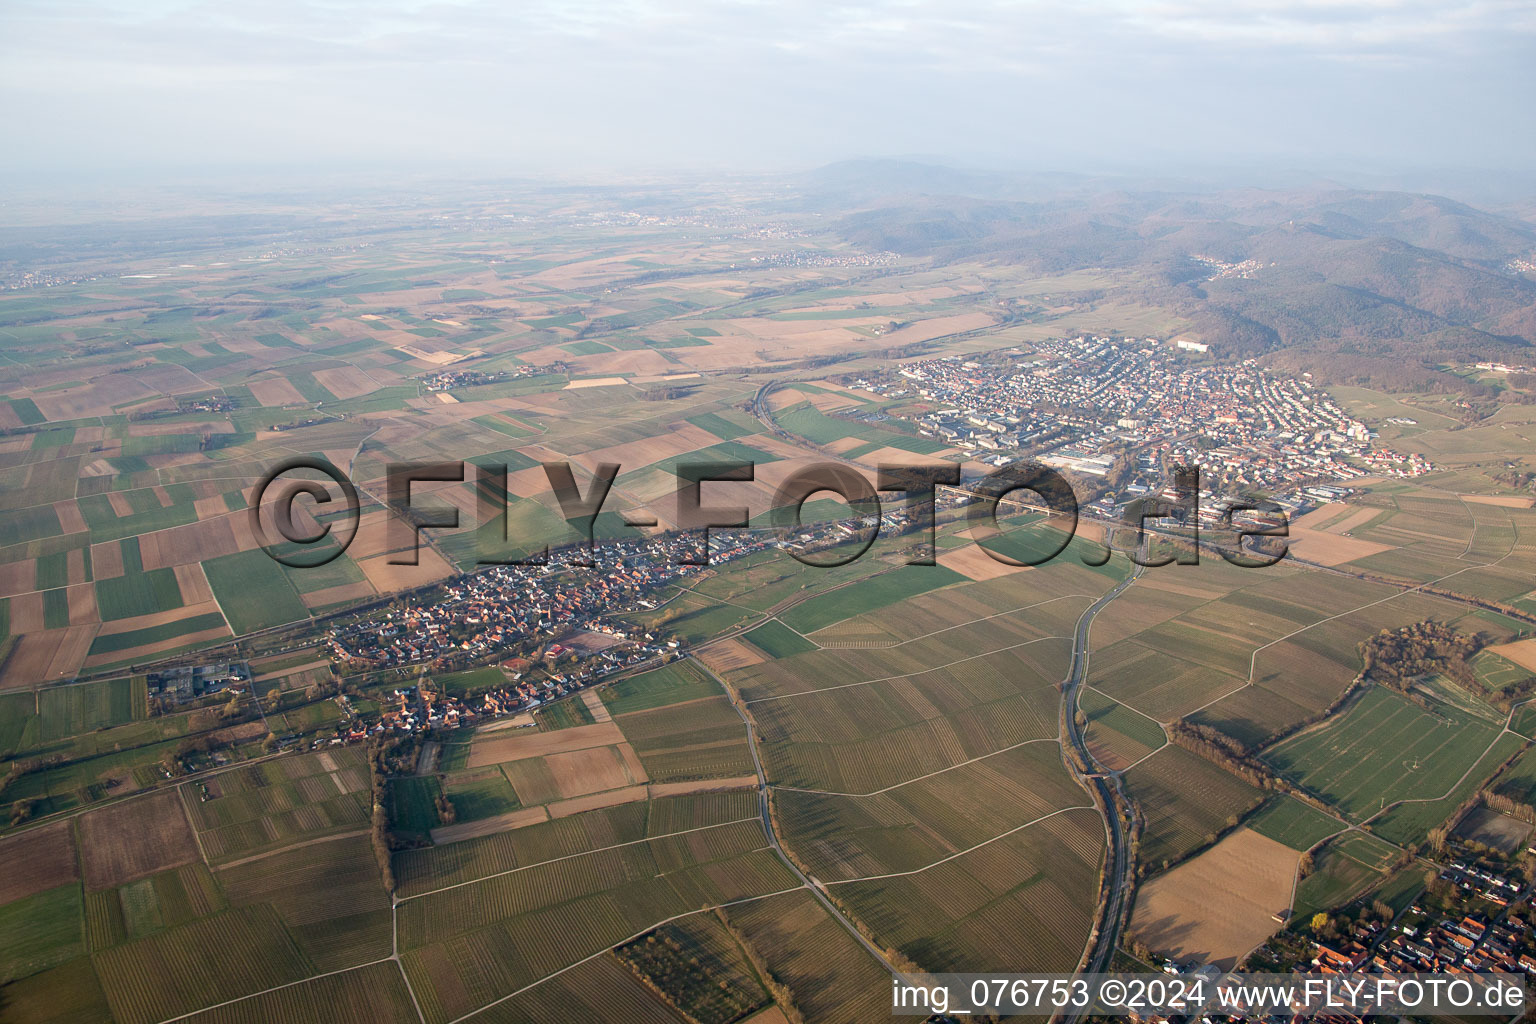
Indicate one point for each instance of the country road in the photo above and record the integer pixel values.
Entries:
(766, 812)
(1119, 868)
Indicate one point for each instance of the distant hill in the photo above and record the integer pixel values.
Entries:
(1384, 273)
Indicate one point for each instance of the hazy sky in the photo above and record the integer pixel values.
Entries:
(593, 86)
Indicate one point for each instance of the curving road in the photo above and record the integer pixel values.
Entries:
(1119, 866)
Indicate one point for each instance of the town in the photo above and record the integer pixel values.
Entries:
(1119, 414)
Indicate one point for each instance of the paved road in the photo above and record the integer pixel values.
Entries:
(1119, 866)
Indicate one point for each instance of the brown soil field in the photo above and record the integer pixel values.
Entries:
(283, 673)
(679, 439)
(276, 391)
(1320, 517)
(9, 420)
(135, 839)
(542, 744)
(594, 382)
(489, 826)
(74, 565)
(1521, 652)
(372, 536)
(66, 650)
(82, 604)
(96, 398)
(106, 560)
(120, 505)
(193, 584)
(70, 519)
(244, 733)
(899, 457)
(181, 427)
(27, 612)
(579, 772)
(923, 330)
(973, 562)
(1152, 581)
(28, 660)
(336, 595)
(18, 577)
(612, 798)
(152, 619)
(210, 507)
(1357, 518)
(37, 860)
(346, 382)
(1501, 500)
(594, 703)
(148, 652)
(772, 1015)
(1218, 906)
(729, 655)
(1330, 549)
(387, 578)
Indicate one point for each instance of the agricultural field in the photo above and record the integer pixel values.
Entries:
(1344, 868)
(630, 848)
(1382, 750)
(1216, 907)
(1287, 820)
(1187, 802)
(264, 806)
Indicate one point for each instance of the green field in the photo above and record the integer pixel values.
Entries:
(726, 426)
(777, 640)
(670, 684)
(1383, 749)
(1495, 672)
(254, 591)
(867, 595)
(411, 806)
(1342, 871)
(86, 707)
(129, 639)
(481, 795)
(140, 593)
(40, 932)
(1287, 820)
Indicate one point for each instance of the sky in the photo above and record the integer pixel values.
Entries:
(602, 88)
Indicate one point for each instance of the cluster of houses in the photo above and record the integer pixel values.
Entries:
(1480, 933)
(1084, 404)
(814, 258)
(447, 380)
(473, 617)
(564, 616)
